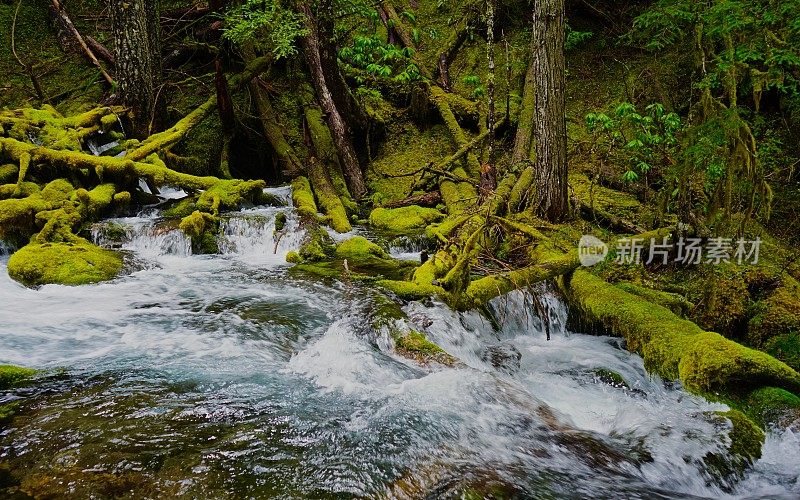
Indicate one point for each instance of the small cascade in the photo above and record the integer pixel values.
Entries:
(6, 248)
(251, 235)
(409, 247)
(144, 237)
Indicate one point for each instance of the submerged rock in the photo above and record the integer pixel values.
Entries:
(504, 357)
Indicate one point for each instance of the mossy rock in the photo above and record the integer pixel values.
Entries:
(404, 219)
(611, 378)
(11, 376)
(57, 191)
(746, 440)
(8, 173)
(202, 228)
(365, 257)
(230, 195)
(68, 263)
(416, 346)
(317, 245)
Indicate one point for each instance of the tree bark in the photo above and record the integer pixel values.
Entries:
(137, 54)
(522, 140)
(342, 135)
(550, 127)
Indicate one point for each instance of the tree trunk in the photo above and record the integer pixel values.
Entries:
(339, 129)
(550, 127)
(137, 53)
(522, 140)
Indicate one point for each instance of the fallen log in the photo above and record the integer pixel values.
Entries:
(705, 362)
(482, 290)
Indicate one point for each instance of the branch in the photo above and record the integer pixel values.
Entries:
(67, 23)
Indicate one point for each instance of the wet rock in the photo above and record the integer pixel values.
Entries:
(504, 357)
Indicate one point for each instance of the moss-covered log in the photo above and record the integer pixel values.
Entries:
(327, 197)
(707, 363)
(482, 290)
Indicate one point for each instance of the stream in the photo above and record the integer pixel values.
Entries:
(229, 376)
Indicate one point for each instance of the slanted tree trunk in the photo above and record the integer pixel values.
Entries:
(137, 53)
(342, 135)
(550, 127)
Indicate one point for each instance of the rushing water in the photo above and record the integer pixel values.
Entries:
(229, 376)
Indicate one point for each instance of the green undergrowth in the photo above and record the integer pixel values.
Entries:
(398, 162)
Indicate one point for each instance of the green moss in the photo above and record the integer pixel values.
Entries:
(76, 263)
(57, 191)
(317, 245)
(280, 221)
(415, 341)
(181, 209)
(746, 440)
(303, 197)
(724, 302)
(96, 202)
(336, 187)
(408, 290)
(20, 190)
(746, 437)
(611, 378)
(770, 405)
(415, 345)
(122, 199)
(202, 228)
(293, 257)
(404, 219)
(391, 174)
(359, 248)
(8, 173)
(11, 375)
(674, 302)
(18, 216)
(779, 314)
(786, 348)
(7, 411)
(229, 195)
(367, 258)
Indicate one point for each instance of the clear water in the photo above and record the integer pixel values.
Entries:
(229, 376)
